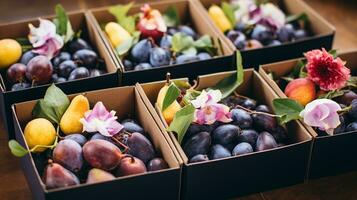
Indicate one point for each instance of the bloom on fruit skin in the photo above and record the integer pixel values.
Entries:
(101, 120)
(322, 113)
(208, 110)
(44, 39)
(326, 71)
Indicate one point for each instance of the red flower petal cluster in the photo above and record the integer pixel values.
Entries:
(326, 71)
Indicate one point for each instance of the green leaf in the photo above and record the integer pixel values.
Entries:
(287, 78)
(182, 120)
(171, 95)
(63, 25)
(171, 17)
(120, 13)
(52, 106)
(205, 43)
(17, 149)
(231, 83)
(333, 52)
(229, 12)
(124, 47)
(181, 41)
(190, 51)
(287, 109)
(298, 17)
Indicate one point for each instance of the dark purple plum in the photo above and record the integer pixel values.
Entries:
(225, 134)
(27, 56)
(86, 58)
(242, 148)
(16, 73)
(39, 70)
(140, 52)
(204, 56)
(249, 104)
(185, 58)
(140, 147)
(65, 68)
(265, 141)
(249, 135)
(20, 86)
(68, 153)
(77, 44)
(263, 108)
(63, 56)
(187, 30)
(198, 144)
(79, 138)
(159, 57)
(198, 158)
(156, 164)
(80, 72)
(142, 66)
(218, 151)
(241, 118)
(132, 126)
(263, 122)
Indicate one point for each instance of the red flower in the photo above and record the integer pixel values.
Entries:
(326, 71)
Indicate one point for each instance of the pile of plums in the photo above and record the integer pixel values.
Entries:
(247, 133)
(79, 61)
(91, 158)
(147, 53)
(245, 37)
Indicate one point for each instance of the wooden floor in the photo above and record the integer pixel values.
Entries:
(341, 13)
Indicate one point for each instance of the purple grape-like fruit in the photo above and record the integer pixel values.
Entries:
(16, 73)
(39, 70)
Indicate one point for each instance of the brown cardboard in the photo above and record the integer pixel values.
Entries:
(188, 12)
(127, 102)
(79, 21)
(219, 179)
(319, 27)
(330, 154)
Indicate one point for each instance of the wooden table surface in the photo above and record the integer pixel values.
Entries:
(342, 14)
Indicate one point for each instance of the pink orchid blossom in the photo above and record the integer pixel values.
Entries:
(208, 110)
(101, 120)
(322, 113)
(44, 39)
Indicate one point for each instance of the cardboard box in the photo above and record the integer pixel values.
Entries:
(126, 102)
(323, 34)
(188, 13)
(79, 22)
(331, 155)
(246, 174)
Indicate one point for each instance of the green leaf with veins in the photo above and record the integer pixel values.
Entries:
(228, 10)
(182, 120)
(171, 17)
(63, 24)
(231, 83)
(333, 52)
(171, 95)
(181, 42)
(16, 149)
(52, 106)
(332, 94)
(287, 109)
(120, 13)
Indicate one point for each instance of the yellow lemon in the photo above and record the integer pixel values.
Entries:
(39, 131)
(10, 52)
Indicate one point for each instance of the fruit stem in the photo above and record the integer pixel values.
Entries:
(33, 82)
(152, 41)
(344, 110)
(255, 112)
(168, 77)
(50, 161)
(126, 148)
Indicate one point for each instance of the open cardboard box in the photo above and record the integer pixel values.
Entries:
(246, 174)
(188, 13)
(323, 34)
(126, 101)
(79, 22)
(331, 155)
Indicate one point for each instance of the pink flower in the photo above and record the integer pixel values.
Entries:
(208, 110)
(326, 71)
(322, 113)
(102, 121)
(44, 39)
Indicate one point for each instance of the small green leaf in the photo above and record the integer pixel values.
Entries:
(229, 12)
(205, 43)
(171, 95)
(53, 105)
(171, 17)
(190, 51)
(182, 120)
(287, 109)
(231, 83)
(333, 52)
(181, 41)
(124, 47)
(298, 17)
(287, 78)
(120, 13)
(63, 25)
(17, 149)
